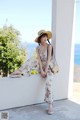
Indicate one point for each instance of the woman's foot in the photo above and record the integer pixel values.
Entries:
(16, 72)
(50, 109)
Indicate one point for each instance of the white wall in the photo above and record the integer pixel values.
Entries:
(62, 27)
(15, 92)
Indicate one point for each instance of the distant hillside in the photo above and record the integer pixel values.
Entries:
(31, 47)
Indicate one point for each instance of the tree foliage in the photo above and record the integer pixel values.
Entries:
(11, 55)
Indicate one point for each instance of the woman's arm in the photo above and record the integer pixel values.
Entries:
(49, 57)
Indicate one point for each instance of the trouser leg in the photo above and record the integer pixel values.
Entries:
(48, 89)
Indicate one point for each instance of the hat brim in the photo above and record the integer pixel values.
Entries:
(49, 34)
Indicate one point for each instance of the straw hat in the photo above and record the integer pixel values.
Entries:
(41, 32)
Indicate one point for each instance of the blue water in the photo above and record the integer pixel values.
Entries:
(32, 46)
(77, 54)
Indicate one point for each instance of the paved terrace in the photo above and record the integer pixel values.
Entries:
(63, 110)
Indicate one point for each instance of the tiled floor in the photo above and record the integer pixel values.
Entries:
(63, 110)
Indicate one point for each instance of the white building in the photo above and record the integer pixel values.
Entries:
(22, 91)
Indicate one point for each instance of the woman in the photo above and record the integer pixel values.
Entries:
(44, 59)
(44, 55)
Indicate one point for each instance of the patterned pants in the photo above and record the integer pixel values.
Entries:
(48, 86)
(48, 89)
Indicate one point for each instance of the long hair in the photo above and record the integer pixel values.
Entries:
(52, 47)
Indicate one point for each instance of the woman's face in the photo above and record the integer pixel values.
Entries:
(44, 38)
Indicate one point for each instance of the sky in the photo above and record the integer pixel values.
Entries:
(27, 16)
(30, 16)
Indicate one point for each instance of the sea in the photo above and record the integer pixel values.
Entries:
(32, 46)
(77, 54)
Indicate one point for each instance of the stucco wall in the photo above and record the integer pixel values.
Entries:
(62, 27)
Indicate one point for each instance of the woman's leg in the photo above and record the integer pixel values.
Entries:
(49, 92)
(28, 65)
(48, 89)
(19, 71)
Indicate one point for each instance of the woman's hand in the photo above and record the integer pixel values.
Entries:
(43, 74)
